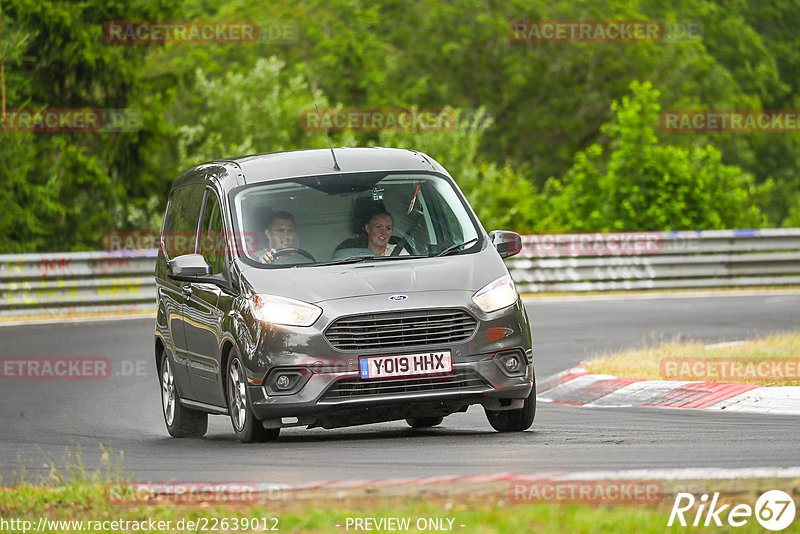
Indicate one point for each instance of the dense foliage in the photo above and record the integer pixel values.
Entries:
(551, 136)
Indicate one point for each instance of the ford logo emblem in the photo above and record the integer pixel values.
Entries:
(398, 297)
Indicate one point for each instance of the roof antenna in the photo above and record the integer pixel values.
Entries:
(335, 163)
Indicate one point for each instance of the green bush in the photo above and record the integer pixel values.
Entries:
(641, 184)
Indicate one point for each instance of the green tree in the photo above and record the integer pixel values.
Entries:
(549, 100)
(246, 113)
(502, 198)
(25, 204)
(75, 187)
(639, 184)
(793, 219)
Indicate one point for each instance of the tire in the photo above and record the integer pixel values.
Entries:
(514, 420)
(246, 426)
(424, 422)
(182, 422)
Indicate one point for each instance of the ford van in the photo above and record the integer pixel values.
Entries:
(335, 287)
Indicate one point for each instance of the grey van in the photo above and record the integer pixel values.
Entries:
(298, 290)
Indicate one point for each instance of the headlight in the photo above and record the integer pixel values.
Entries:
(499, 294)
(281, 310)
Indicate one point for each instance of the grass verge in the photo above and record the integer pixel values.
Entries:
(491, 512)
(769, 361)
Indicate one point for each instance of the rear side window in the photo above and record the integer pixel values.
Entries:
(180, 223)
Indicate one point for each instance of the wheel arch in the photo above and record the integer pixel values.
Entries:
(225, 356)
(159, 353)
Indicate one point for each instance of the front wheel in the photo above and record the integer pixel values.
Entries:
(514, 420)
(246, 426)
(181, 421)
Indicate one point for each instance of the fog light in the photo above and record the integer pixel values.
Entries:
(283, 382)
(286, 380)
(512, 364)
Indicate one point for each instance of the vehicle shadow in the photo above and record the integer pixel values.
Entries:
(349, 434)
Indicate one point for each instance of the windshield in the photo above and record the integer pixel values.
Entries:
(322, 219)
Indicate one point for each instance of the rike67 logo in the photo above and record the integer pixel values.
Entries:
(774, 510)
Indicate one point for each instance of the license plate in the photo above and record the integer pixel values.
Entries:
(426, 363)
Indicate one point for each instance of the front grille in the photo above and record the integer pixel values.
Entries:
(355, 387)
(396, 330)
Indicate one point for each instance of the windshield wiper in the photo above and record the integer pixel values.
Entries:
(400, 257)
(455, 247)
(359, 259)
(349, 259)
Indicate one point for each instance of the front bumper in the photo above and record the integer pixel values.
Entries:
(329, 392)
(331, 399)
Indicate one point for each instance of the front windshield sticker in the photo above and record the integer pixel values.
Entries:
(413, 199)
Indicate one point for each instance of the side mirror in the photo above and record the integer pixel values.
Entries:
(188, 268)
(507, 243)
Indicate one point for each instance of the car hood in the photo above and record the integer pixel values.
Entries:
(465, 272)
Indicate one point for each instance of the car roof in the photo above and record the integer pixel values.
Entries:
(279, 165)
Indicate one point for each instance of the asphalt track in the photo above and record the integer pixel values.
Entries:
(41, 420)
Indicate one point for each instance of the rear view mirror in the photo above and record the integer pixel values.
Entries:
(188, 268)
(507, 243)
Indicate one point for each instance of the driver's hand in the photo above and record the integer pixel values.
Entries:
(268, 256)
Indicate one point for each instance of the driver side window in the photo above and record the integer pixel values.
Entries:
(180, 224)
(212, 240)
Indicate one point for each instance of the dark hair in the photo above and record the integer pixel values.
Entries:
(284, 215)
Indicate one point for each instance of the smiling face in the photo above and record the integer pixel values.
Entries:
(379, 230)
(281, 233)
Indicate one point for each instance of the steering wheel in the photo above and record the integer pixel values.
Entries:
(293, 250)
(401, 243)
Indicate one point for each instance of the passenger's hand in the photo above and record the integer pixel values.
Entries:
(268, 257)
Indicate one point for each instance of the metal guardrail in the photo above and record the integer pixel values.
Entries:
(77, 282)
(88, 282)
(658, 260)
